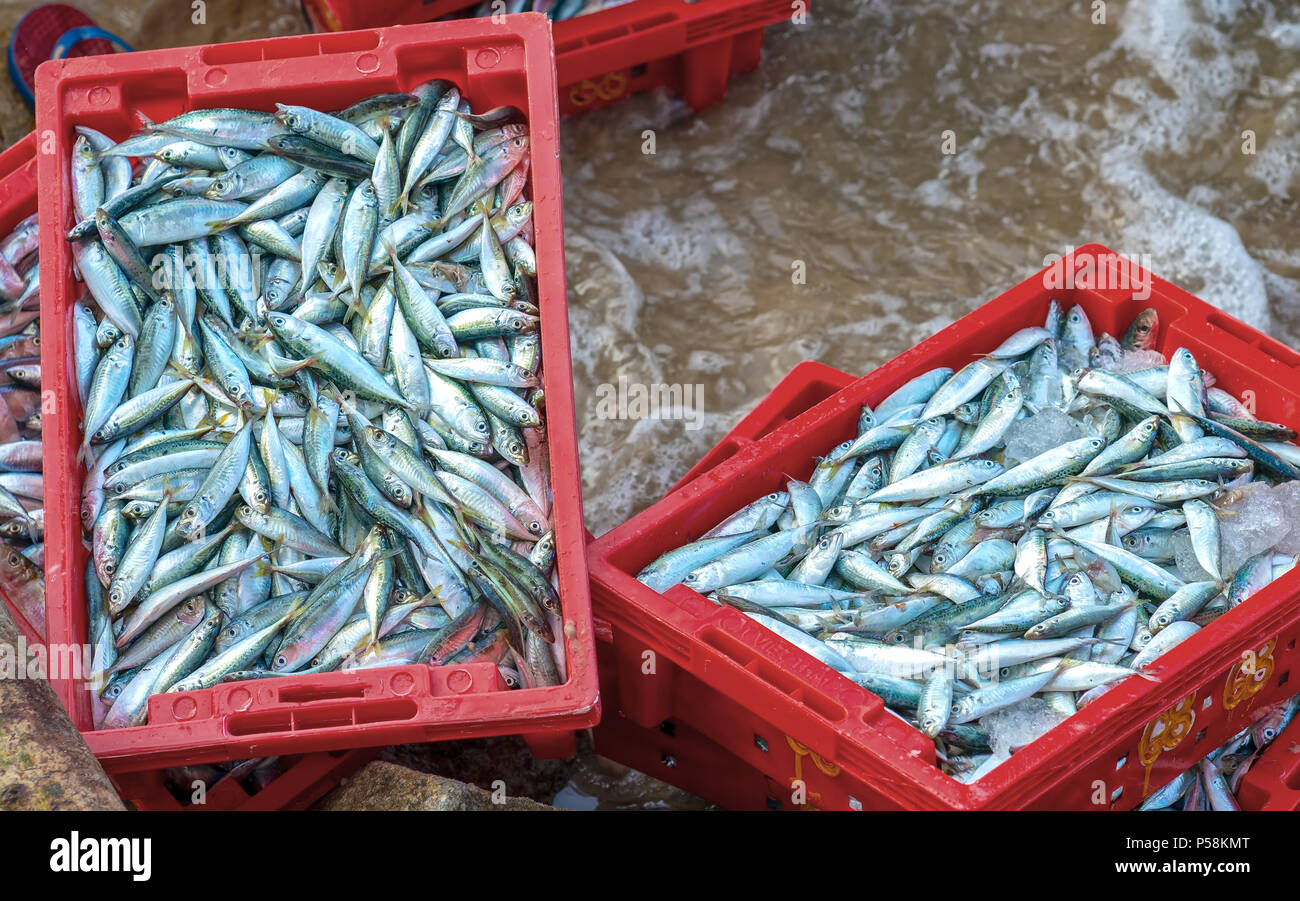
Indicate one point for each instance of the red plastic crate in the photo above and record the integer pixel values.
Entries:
(766, 702)
(17, 202)
(691, 48)
(1273, 781)
(305, 780)
(493, 65)
(675, 753)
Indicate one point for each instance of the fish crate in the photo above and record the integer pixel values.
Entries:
(303, 781)
(17, 202)
(692, 48)
(494, 65)
(680, 658)
(1273, 781)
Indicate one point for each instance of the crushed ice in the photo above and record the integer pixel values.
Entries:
(1020, 724)
(1038, 433)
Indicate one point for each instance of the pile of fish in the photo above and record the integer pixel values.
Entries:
(992, 550)
(22, 495)
(1214, 782)
(556, 10)
(309, 360)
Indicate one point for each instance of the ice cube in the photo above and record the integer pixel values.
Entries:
(1254, 518)
(1288, 493)
(1133, 360)
(1038, 433)
(1189, 568)
(1020, 724)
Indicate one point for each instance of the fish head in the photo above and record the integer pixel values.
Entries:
(230, 156)
(941, 557)
(116, 597)
(343, 455)
(283, 325)
(519, 212)
(931, 724)
(171, 155)
(291, 118)
(379, 440)
(188, 523)
(1141, 334)
(398, 489)
(285, 656)
(87, 512)
(191, 611)
(1090, 447)
(220, 188)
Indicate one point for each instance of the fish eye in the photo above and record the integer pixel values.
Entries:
(281, 661)
(110, 567)
(13, 559)
(1136, 509)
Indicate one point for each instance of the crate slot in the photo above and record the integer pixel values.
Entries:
(1275, 350)
(289, 48)
(305, 694)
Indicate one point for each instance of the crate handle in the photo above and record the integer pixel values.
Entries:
(18, 155)
(1252, 343)
(307, 46)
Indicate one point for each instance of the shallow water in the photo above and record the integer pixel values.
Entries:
(1127, 133)
(1063, 131)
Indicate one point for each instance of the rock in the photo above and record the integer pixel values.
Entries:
(381, 785)
(44, 762)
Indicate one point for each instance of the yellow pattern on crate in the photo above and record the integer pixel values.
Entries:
(1249, 674)
(800, 752)
(1164, 733)
(611, 87)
